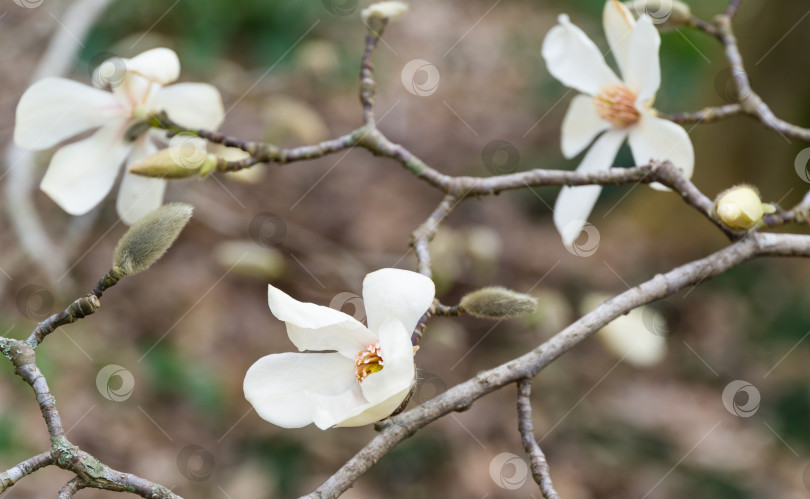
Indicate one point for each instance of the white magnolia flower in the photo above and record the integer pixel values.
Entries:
(349, 374)
(387, 10)
(621, 108)
(638, 337)
(82, 173)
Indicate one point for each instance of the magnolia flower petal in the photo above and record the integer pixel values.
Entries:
(574, 204)
(351, 409)
(134, 91)
(193, 105)
(396, 294)
(377, 396)
(54, 109)
(317, 328)
(278, 386)
(573, 59)
(655, 138)
(398, 370)
(581, 124)
(331, 410)
(644, 70)
(160, 65)
(377, 412)
(139, 195)
(82, 173)
(619, 22)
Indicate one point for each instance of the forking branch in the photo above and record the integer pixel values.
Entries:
(743, 246)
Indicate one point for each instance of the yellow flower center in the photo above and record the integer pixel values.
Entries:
(616, 104)
(368, 361)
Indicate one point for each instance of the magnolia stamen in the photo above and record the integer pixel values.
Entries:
(616, 104)
(368, 361)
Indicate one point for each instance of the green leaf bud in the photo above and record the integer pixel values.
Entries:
(174, 162)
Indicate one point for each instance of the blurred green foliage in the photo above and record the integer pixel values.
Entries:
(255, 33)
(412, 462)
(284, 458)
(174, 376)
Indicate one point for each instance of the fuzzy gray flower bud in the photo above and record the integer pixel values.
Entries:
(146, 241)
(497, 303)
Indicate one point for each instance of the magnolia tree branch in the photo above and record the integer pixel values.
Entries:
(11, 476)
(743, 246)
(79, 309)
(427, 231)
(733, 7)
(70, 488)
(462, 396)
(540, 471)
(748, 101)
(90, 472)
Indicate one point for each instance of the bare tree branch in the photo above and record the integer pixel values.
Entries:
(461, 396)
(11, 476)
(74, 485)
(733, 7)
(540, 471)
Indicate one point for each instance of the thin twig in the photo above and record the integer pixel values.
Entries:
(90, 472)
(427, 231)
(733, 7)
(13, 475)
(707, 115)
(79, 309)
(540, 471)
(74, 485)
(750, 101)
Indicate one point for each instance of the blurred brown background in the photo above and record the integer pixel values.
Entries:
(186, 331)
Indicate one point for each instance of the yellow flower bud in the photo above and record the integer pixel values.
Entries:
(740, 207)
(497, 303)
(385, 10)
(175, 162)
